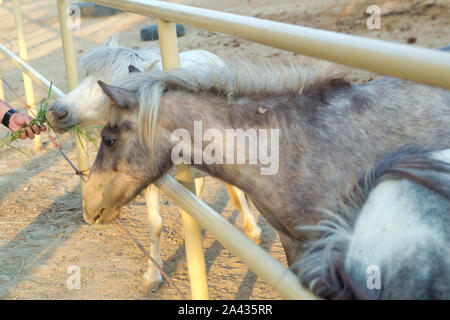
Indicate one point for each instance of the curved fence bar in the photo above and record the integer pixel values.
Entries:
(411, 63)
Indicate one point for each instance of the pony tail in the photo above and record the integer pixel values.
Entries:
(321, 266)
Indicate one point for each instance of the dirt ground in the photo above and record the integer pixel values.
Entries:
(42, 231)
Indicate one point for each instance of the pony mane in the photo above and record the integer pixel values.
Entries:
(241, 78)
(235, 80)
(321, 267)
(111, 61)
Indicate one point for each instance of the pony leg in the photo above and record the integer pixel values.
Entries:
(199, 184)
(152, 277)
(239, 201)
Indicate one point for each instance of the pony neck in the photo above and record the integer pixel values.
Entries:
(215, 127)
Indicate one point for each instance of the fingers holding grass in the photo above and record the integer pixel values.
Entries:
(26, 127)
(38, 129)
(30, 133)
(23, 126)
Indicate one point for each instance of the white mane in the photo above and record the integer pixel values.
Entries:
(232, 79)
(112, 61)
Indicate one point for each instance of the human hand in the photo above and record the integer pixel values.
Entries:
(20, 121)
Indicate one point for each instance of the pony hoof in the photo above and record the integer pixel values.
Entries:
(148, 288)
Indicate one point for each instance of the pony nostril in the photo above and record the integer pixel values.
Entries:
(58, 112)
(97, 219)
(61, 114)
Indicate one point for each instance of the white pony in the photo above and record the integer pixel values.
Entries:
(111, 63)
(84, 106)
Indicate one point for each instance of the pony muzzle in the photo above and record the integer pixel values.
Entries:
(101, 216)
(59, 118)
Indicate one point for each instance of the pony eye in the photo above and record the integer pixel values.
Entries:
(109, 142)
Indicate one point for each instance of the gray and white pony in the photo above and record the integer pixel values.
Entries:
(329, 131)
(85, 106)
(391, 237)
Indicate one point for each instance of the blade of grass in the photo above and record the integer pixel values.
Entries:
(83, 135)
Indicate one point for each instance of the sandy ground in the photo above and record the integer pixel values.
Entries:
(42, 231)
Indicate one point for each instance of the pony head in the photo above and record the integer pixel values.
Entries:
(111, 63)
(122, 168)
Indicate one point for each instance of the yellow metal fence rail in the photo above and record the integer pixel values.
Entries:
(27, 83)
(411, 63)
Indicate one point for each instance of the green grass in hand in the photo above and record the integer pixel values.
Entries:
(41, 120)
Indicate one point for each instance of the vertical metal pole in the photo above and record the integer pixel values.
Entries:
(67, 42)
(23, 54)
(2, 92)
(192, 231)
(72, 77)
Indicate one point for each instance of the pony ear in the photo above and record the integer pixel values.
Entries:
(122, 98)
(112, 42)
(132, 69)
(152, 65)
